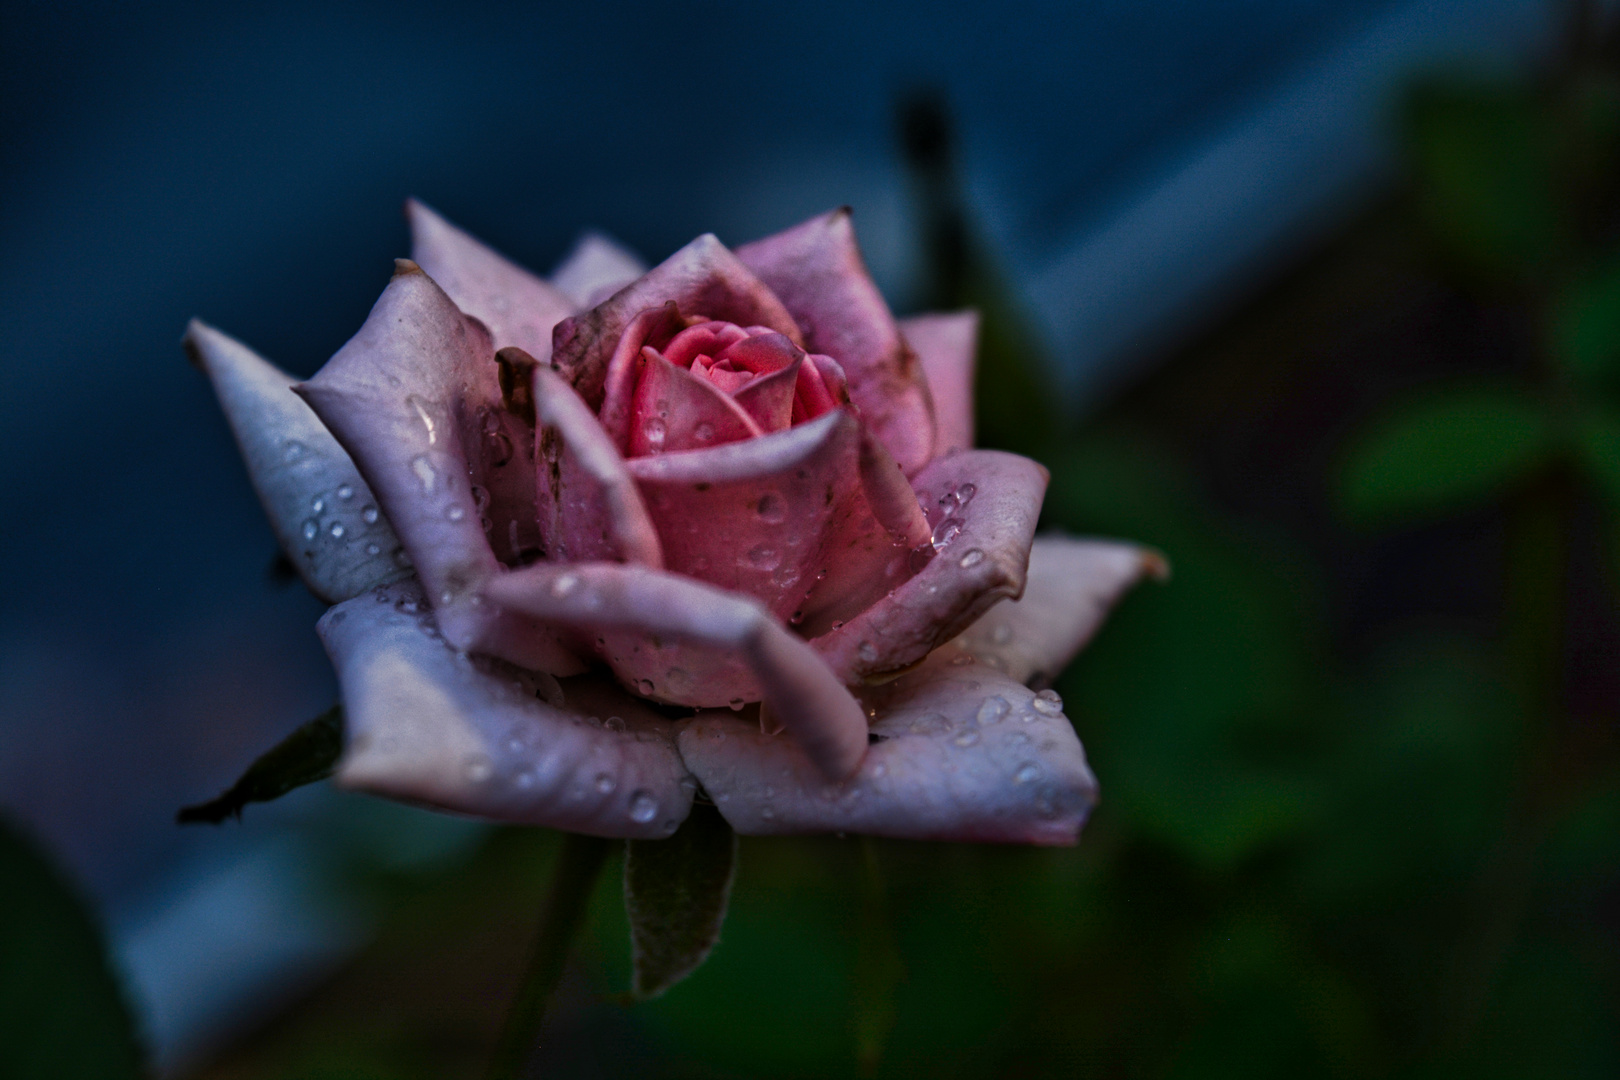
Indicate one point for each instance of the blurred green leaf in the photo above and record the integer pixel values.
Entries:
(1484, 158)
(1586, 328)
(1444, 453)
(675, 894)
(62, 1015)
(1598, 443)
(308, 755)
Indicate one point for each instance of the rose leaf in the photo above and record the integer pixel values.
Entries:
(309, 754)
(675, 893)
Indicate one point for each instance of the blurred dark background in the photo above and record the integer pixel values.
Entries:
(1321, 298)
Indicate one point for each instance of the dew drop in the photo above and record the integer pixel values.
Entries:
(946, 531)
(704, 432)
(967, 738)
(477, 768)
(369, 515)
(772, 508)
(1001, 634)
(879, 769)
(993, 709)
(345, 491)
(426, 417)
(1048, 703)
(564, 584)
(497, 448)
(337, 530)
(867, 651)
(643, 807)
(480, 498)
(973, 558)
(767, 813)
(524, 780)
(1027, 772)
(605, 783)
(423, 468)
(644, 687)
(736, 704)
(312, 529)
(763, 557)
(373, 549)
(317, 504)
(614, 723)
(408, 606)
(653, 430)
(292, 451)
(796, 618)
(456, 512)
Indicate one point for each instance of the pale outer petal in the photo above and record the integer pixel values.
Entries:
(415, 400)
(983, 506)
(1072, 586)
(324, 515)
(965, 754)
(519, 307)
(817, 270)
(662, 610)
(431, 726)
(947, 344)
(595, 270)
(704, 278)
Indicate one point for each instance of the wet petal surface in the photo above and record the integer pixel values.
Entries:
(946, 344)
(435, 727)
(964, 753)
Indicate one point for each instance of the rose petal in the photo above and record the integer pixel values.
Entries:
(395, 397)
(1071, 587)
(817, 270)
(703, 278)
(762, 516)
(984, 506)
(626, 365)
(324, 515)
(675, 410)
(595, 270)
(589, 506)
(821, 388)
(946, 344)
(650, 605)
(768, 397)
(965, 754)
(518, 307)
(428, 725)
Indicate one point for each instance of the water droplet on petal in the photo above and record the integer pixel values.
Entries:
(1027, 772)
(704, 432)
(772, 507)
(423, 468)
(644, 687)
(563, 584)
(614, 723)
(426, 417)
(946, 531)
(312, 529)
(605, 783)
(292, 451)
(973, 558)
(373, 549)
(455, 512)
(653, 430)
(764, 557)
(317, 504)
(993, 709)
(1001, 634)
(337, 530)
(1048, 703)
(967, 738)
(867, 651)
(736, 704)
(345, 491)
(480, 498)
(477, 768)
(369, 515)
(643, 807)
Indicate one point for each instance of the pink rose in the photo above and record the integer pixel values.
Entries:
(598, 543)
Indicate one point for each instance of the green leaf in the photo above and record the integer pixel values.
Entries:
(307, 755)
(1586, 328)
(61, 1012)
(1444, 453)
(1598, 442)
(675, 893)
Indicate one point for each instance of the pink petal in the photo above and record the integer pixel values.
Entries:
(966, 754)
(324, 515)
(797, 687)
(762, 517)
(675, 410)
(589, 507)
(518, 307)
(625, 366)
(595, 270)
(397, 396)
(946, 345)
(983, 508)
(703, 278)
(1071, 587)
(768, 397)
(817, 270)
(435, 727)
(821, 388)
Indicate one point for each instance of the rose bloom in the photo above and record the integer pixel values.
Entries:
(601, 544)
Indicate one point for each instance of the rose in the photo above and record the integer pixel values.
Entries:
(599, 542)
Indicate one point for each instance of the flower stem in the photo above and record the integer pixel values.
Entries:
(579, 861)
